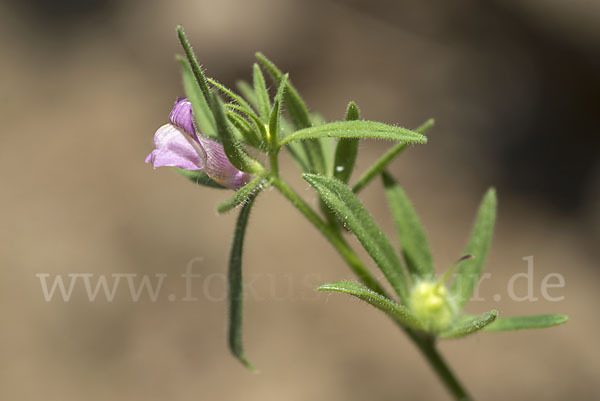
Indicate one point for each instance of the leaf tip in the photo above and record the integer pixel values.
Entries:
(561, 319)
(246, 363)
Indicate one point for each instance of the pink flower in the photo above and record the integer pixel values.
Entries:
(179, 144)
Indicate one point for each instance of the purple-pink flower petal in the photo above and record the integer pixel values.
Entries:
(175, 148)
(179, 145)
(181, 116)
(219, 168)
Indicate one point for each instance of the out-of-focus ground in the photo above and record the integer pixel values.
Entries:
(84, 85)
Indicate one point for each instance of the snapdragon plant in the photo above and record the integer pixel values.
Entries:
(207, 140)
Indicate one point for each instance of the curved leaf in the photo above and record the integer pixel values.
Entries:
(391, 308)
(235, 286)
(350, 210)
(242, 195)
(469, 325)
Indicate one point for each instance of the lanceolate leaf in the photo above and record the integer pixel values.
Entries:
(385, 160)
(469, 270)
(527, 322)
(242, 195)
(350, 210)
(199, 177)
(391, 308)
(202, 114)
(298, 113)
(357, 129)
(295, 105)
(410, 232)
(235, 151)
(262, 96)
(469, 325)
(258, 124)
(346, 150)
(244, 128)
(275, 117)
(236, 295)
(233, 96)
(197, 71)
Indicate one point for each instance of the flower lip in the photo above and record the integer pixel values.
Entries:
(179, 144)
(175, 148)
(182, 116)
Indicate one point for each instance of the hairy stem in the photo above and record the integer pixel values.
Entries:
(427, 347)
(425, 344)
(274, 163)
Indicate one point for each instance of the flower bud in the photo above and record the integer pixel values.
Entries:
(432, 305)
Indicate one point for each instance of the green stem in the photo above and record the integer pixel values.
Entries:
(430, 352)
(274, 163)
(425, 344)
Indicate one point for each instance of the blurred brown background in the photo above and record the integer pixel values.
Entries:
(514, 88)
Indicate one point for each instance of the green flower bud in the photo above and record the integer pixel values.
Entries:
(432, 305)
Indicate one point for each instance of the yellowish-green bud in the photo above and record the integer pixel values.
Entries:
(432, 305)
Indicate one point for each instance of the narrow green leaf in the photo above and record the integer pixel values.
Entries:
(357, 129)
(385, 160)
(244, 127)
(295, 105)
(469, 325)
(469, 270)
(247, 92)
(242, 195)
(397, 312)
(198, 74)
(352, 213)
(235, 286)
(259, 126)
(202, 113)
(410, 231)
(299, 115)
(233, 96)
(234, 149)
(346, 150)
(262, 95)
(275, 117)
(527, 322)
(199, 177)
